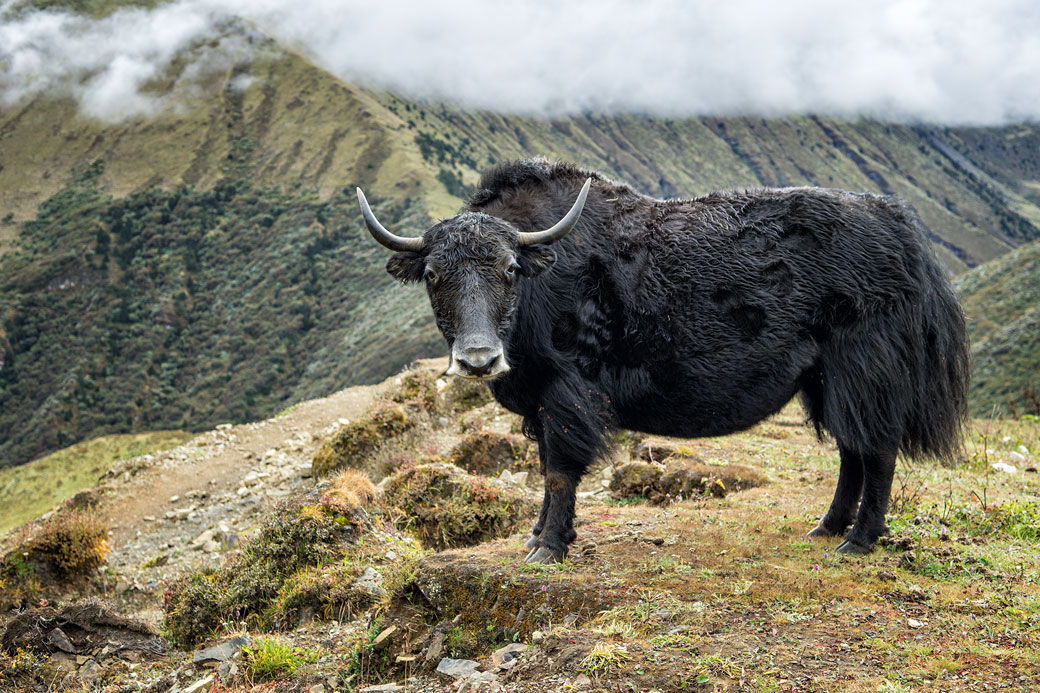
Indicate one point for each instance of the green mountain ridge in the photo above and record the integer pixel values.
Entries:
(1001, 300)
(208, 264)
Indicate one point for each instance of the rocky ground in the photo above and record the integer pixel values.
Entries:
(371, 541)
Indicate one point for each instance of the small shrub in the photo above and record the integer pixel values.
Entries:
(20, 670)
(445, 507)
(67, 544)
(350, 491)
(75, 542)
(193, 609)
(324, 591)
(268, 659)
(298, 535)
(352, 443)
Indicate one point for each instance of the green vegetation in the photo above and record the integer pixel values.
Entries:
(31, 489)
(308, 560)
(1002, 302)
(352, 443)
(268, 659)
(488, 453)
(91, 8)
(187, 309)
(296, 537)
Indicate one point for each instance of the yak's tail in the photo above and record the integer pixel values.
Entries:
(940, 383)
(897, 378)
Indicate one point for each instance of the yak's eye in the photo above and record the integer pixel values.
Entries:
(512, 269)
(430, 275)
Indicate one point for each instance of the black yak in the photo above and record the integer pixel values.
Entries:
(589, 306)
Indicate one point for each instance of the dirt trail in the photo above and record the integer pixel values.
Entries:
(217, 461)
(224, 481)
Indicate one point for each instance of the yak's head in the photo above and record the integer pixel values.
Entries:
(472, 265)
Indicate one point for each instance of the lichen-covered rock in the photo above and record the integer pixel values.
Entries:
(488, 453)
(469, 593)
(354, 442)
(446, 507)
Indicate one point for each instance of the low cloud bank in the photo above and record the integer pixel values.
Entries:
(946, 62)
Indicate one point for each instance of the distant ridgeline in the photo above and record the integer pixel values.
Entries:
(185, 309)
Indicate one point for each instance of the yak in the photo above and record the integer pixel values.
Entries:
(589, 307)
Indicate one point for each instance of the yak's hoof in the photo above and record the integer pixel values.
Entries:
(852, 547)
(531, 542)
(540, 554)
(822, 531)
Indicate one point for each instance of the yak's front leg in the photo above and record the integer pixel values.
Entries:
(550, 545)
(570, 438)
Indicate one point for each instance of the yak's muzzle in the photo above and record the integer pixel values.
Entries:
(478, 362)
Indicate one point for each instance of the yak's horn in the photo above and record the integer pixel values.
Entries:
(563, 226)
(379, 233)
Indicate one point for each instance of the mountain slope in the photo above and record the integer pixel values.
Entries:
(1002, 302)
(209, 263)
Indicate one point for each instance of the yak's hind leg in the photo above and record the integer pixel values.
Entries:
(846, 496)
(878, 469)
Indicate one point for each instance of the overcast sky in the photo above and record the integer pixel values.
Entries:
(955, 62)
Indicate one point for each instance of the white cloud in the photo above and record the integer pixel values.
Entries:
(952, 62)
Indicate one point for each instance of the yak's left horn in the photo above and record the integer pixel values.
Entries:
(399, 243)
(563, 226)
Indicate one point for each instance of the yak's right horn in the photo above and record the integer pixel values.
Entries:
(399, 243)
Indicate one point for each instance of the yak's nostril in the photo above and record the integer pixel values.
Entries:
(479, 361)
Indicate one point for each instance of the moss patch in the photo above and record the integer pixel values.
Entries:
(464, 395)
(488, 453)
(495, 603)
(445, 507)
(354, 442)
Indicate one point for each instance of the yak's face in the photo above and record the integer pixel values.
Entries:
(472, 265)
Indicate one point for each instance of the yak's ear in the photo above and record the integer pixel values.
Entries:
(406, 266)
(535, 259)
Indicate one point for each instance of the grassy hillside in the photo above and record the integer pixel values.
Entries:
(187, 308)
(32, 489)
(1002, 302)
(209, 264)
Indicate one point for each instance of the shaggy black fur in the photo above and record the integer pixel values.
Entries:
(700, 318)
